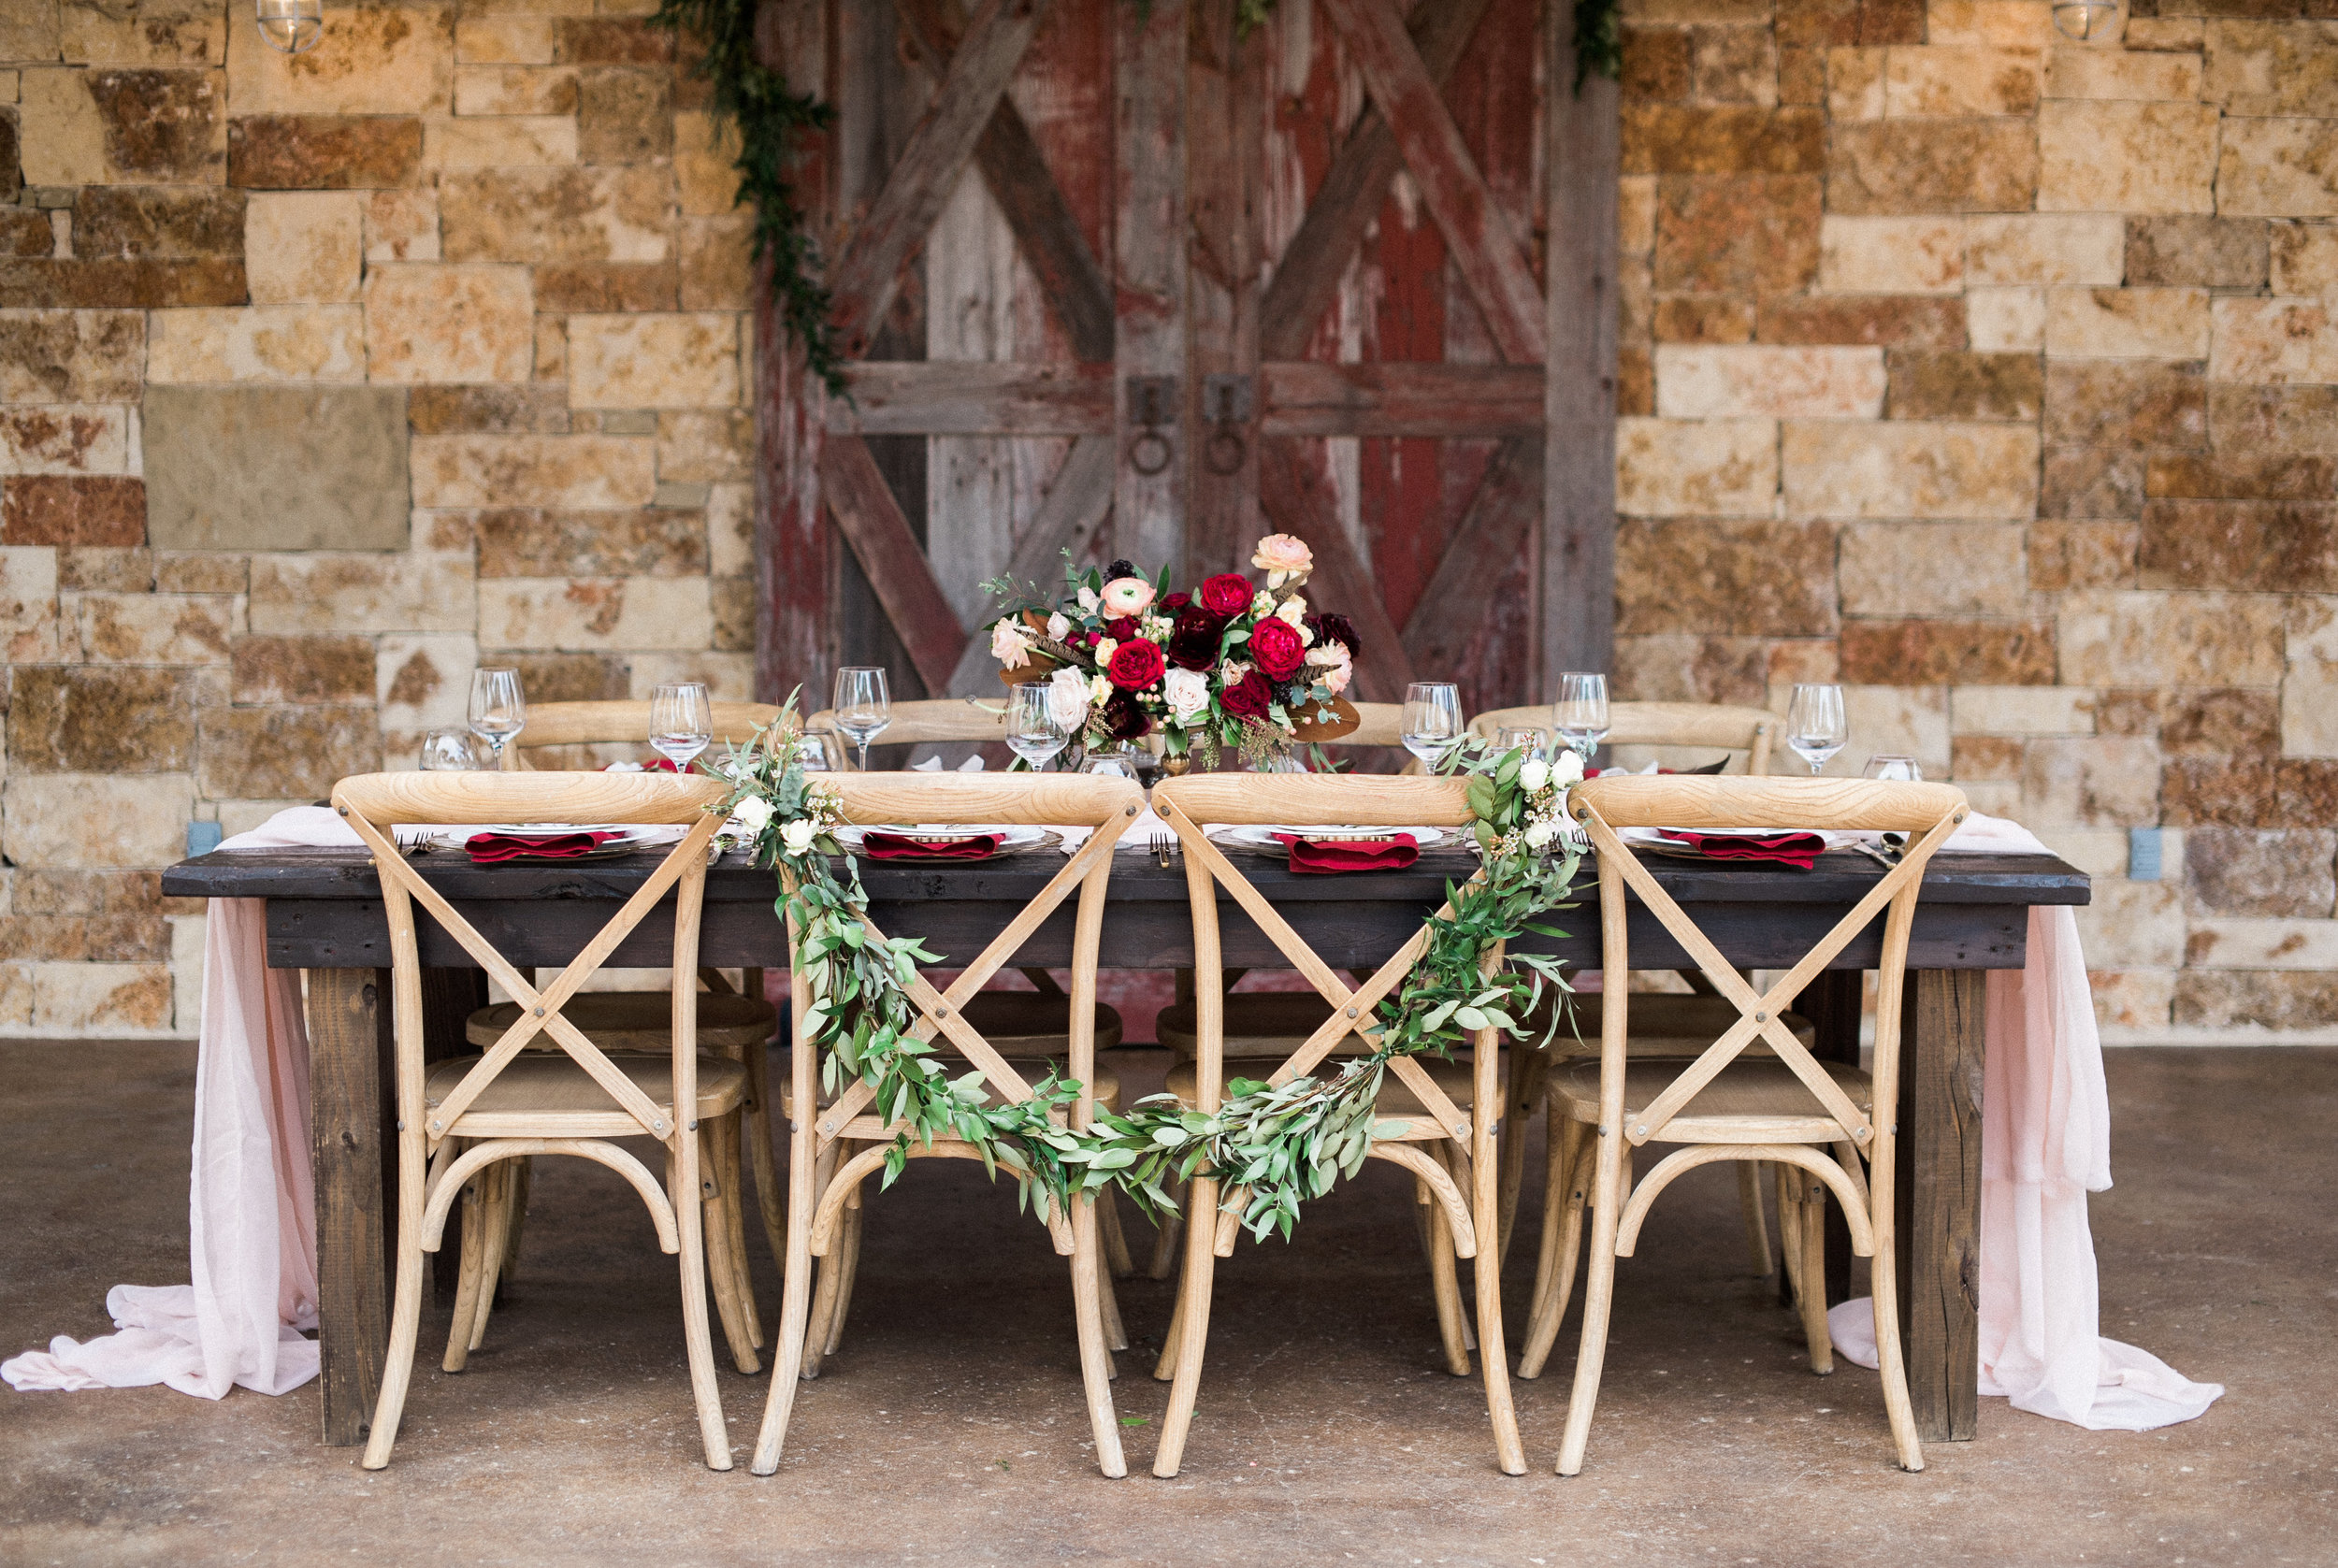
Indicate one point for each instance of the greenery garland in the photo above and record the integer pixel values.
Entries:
(1278, 1144)
(769, 116)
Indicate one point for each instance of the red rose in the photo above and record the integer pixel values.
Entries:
(1120, 628)
(1276, 649)
(1248, 698)
(1227, 595)
(1175, 602)
(1136, 665)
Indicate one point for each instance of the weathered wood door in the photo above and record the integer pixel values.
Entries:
(1119, 280)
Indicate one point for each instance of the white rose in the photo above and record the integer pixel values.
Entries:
(1101, 652)
(1533, 774)
(798, 835)
(1567, 769)
(1067, 699)
(1087, 600)
(1099, 689)
(1232, 670)
(754, 813)
(1010, 644)
(1538, 833)
(1294, 613)
(1057, 627)
(1187, 692)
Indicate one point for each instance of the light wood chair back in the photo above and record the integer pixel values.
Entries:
(1751, 730)
(374, 805)
(928, 723)
(1103, 804)
(582, 724)
(1190, 804)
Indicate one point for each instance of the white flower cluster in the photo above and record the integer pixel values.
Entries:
(1546, 784)
(798, 835)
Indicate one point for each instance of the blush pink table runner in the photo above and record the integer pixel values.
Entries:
(2045, 1144)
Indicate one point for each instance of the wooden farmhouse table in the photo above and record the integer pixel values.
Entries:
(325, 916)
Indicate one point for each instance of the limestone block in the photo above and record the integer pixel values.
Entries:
(507, 39)
(730, 530)
(1991, 23)
(2037, 247)
(323, 151)
(649, 612)
(2005, 321)
(65, 438)
(186, 974)
(534, 470)
(71, 356)
(98, 570)
(707, 447)
(16, 979)
(2301, 418)
(2266, 475)
(255, 752)
(515, 90)
(1750, 579)
(99, 719)
(157, 629)
(429, 322)
(2178, 34)
(1696, 467)
(2020, 711)
(2095, 156)
(2110, 73)
(552, 350)
(728, 677)
(28, 604)
(2261, 873)
(2270, 546)
(1948, 653)
(1934, 167)
(1765, 382)
(2100, 852)
(1687, 668)
(2132, 925)
(1947, 82)
(150, 32)
(161, 126)
(557, 214)
(157, 221)
(276, 467)
(401, 226)
(2262, 945)
(2210, 253)
(527, 542)
(488, 411)
(2133, 1001)
(2130, 404)
(2127, 324)
(2309, 691)
(257, 343)
(1636, 194)
(2275, 340)
(2232, 999)
(1934, 569)
(1934, 383)
(2304, 258)
(62, 138)
(329, 667)
(2104, 781)
(422, 681)
(717, 263)
(30, 32)
(303, 247)
(382, 57)
(624, 114)
(606, 287)
(654, 361)
(1891, 256)
(362, 592)
(1854, 84)
(102, 1000)
(1908, 470)
(81, 513)
(2138, 638)
(1682, 139)
(502, 141)
(127, 821)
(1894, 721)
(2268, 68)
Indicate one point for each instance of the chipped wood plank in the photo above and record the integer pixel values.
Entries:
(1077, 505)
(1401, 398)
(872, 523)
(1150, 293)
(1500, 522)
(975, 397)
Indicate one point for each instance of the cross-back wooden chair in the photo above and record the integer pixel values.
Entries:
(930, 721)
(1708, 726)
(814, 1208)
(1819, 1123)
(1447, 1141)
(463, 1118)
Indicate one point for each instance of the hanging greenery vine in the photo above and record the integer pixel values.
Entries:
(769, 118)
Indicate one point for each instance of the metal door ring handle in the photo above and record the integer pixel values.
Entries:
(1144, 443)
(1226, 451)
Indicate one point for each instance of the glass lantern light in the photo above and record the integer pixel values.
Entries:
(292, 26)
(2081, 20)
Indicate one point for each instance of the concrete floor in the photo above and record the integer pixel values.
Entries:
(950, 1428)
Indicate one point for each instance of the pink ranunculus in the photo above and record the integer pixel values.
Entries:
(1282, 557)
(1127, 596)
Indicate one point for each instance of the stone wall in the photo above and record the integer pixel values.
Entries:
(1991, 374)
(482, 260)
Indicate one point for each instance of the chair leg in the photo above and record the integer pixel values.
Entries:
(1116, 1331)
(1757, 1221)
(1096, 1360)
(501, 1186)
(1445, 1282)
(1598, 1302)
(1528, 1072)
(1566, 1191)
(698, 1341)
(735, 1218)
(848, 1274)
(467, 1276)
(1790, 1230)
(398, 1369)
(1165, 1240)
(721, 1274)
(831, 1268)
(1814, 1298)
(1192, 1327)
(768, 1202)
(1117, 1259)
(795, 1294)
(515, 1220)
(1888, 1361)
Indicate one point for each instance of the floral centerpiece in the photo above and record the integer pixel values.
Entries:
(1227, 665)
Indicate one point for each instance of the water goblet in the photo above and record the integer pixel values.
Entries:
(449, 750)
(1433, 718)
(1815, 727)
(1032, 730)
(1581, 714)
(1886, 765)
(862, 708)
(499, 709)
(680, 722)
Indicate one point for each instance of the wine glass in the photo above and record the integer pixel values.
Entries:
(1529, 739)
(818, 750)
(1886, 765)
(1581, 713)
(862, 708)
(1815, 727)
(680, 722)
(1032, 732)
(499, 709)
(1433, 718)
(449, 750)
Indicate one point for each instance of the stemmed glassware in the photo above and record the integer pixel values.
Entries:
(449, 750)
(1530, 739)
(1581, 714)
(1815, 727)
(1886, 765)
(680, 722)
(1032, 731)
(499, 709)
(862, 708)
(1433, 718)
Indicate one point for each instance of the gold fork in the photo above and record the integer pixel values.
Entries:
(1160, 847)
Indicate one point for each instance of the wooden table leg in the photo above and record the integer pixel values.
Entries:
(1833, 1003)
(348, 1024)
(1937, 1213)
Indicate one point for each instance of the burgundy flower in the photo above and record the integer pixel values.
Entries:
(1136, 666)
(1276, 649)
(1120, 628)
(1335, 628)
(1227, 595)
(1193, 641)
(1248, 698)
(1122, 568)
(1124, 719)
(1174, 603)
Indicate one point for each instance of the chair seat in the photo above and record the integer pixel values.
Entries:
(1747, 1102)
(1662, 1024)
(637, 1021)
(537, 1089)
(1031, 1068)
(1033, 1024)
(1258, 1023)
(1395, 1101)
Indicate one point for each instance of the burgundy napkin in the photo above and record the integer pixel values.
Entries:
(488, 848)
(900, 846)
(1329, 856)
(1798, 849)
